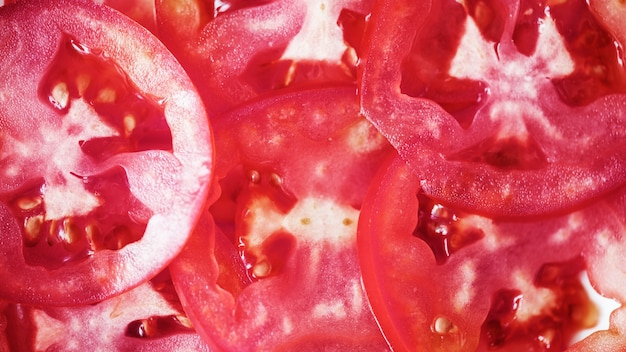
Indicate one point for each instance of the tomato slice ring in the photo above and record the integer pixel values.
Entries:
(100, 178)
(293, 224)
(494, 114)
(444, 300)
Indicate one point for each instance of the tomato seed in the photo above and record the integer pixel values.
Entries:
(29, 203)
(261, 269)
(129, 124)
(254, 176)
(60, 96)
(32, 227)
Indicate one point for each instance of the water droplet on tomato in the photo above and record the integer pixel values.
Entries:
(254, 176)
(442, 229)
(32, 229)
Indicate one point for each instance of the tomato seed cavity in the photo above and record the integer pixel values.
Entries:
(442, 229)
(119, 220)
(79, 72)
(559, 320)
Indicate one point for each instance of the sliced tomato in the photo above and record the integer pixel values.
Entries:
(105, 152)
(297, 165)
(147, 318)
(508, 108)
(236, 50)
(448, 280)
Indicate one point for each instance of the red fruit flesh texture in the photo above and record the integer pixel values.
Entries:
(516, 287)
(294, 170)
(97, 171)
(493, 112)
(147, 318)
(267, 46)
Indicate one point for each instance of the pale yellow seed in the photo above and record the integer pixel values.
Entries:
(82, 83)
(129, 124)
(29, 203)
(60, 95)
(106, 95)
(261, 269)
(32, 227)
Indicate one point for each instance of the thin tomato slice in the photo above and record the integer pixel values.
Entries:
(294, 168)
(448, 280)
(105, 153)
(147, 318)
(236, 50)
(508, 108)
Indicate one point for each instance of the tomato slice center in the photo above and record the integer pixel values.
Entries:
(429, 70)
(66, 215)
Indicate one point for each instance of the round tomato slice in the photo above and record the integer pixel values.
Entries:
(146, 318)
(105, 153)
(236, 50)
(516, 108)
(297, 166)
(448, 280)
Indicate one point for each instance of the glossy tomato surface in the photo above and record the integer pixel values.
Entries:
(105, 158)
(237, 50)
(510, 108)
(448, 280)
(294, 168)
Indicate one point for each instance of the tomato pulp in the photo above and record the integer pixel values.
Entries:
(508, 108)
(449, 280)
(294, 168)
(106, 153)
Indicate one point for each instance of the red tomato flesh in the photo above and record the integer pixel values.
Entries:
(263, 46)
(296, 166)
(450, 280)
(507, 108)
(106, 153)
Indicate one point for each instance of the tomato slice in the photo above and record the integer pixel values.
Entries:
(297, 165)
(147, 318)
(142, 11)
(263, 45)
(514, 108)
(448, 280)
(105, 152)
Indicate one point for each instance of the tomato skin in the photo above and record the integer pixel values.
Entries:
(450, 145)
(178, 179)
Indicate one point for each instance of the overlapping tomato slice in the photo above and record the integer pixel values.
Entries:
(508, 108)
(448, 280)
(294, 168)
(147, 318)
(237, 50)
(105, 153)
